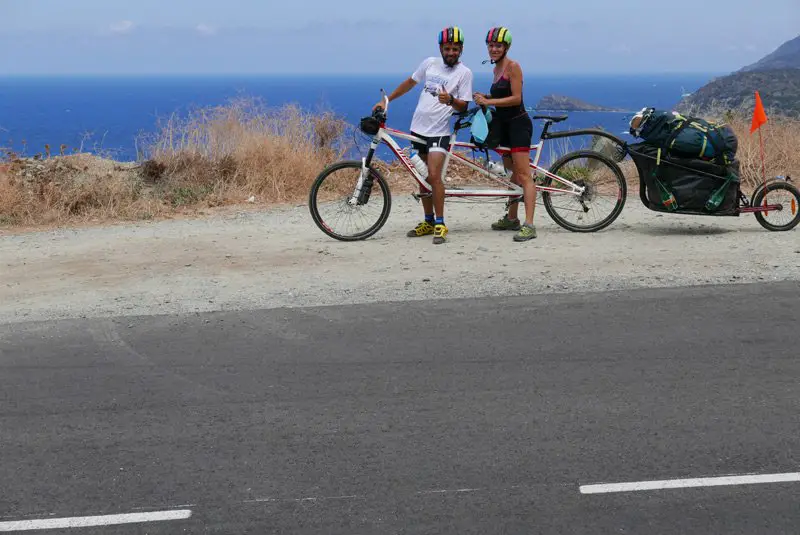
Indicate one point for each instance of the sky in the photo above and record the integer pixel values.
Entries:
(79, 37)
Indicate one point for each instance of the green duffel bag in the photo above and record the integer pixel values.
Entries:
(685, 136)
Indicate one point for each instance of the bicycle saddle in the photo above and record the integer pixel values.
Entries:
(553, 118)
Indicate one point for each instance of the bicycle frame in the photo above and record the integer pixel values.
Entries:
(509, 189)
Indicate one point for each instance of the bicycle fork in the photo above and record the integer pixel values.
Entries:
(363, 187)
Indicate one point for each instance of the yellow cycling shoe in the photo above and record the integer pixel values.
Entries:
(439, 233)
(423, 229)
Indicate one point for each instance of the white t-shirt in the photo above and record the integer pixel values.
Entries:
(431, 118)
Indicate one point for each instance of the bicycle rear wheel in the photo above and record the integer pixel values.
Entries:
(335, 216)
(601, 202)
(783, 194)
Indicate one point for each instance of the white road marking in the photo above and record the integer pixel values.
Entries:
(749, 479)
(89, 521)
(306, 499)
(447, 491)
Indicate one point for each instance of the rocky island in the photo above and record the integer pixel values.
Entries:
(564, 103)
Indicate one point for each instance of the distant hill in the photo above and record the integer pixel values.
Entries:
(776, 77)
(786, 56)
(779, 89)
(564, 103)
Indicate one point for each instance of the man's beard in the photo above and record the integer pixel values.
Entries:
(450, 61)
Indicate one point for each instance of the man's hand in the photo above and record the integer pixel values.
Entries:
(444, 97)
(406, 86)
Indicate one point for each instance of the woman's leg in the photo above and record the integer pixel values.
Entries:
(523, 177)
(508, 162)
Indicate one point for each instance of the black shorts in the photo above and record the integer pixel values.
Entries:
(432, 144)
(515, 133)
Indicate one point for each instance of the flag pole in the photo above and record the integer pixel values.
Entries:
(759, 119)
(763, 164)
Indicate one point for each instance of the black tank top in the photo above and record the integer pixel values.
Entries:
(502, 89)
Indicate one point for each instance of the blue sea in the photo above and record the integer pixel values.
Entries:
(109, 113)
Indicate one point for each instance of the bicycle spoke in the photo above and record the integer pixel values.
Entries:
(336, 213)
(788, 210)
(598, 205)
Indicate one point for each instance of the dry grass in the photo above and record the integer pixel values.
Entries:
(74, 188)
(226, 154)
(781, 137)
(212, 157)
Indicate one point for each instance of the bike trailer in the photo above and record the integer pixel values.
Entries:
(686, 185)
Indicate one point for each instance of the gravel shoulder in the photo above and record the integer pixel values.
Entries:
(278, 258)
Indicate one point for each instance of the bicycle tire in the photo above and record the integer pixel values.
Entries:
(314, 206)
(621, 196)
(758, 198)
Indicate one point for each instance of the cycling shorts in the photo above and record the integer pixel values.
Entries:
(515, 133)
(432, 144)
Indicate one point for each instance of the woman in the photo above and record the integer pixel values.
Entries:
(512, 126)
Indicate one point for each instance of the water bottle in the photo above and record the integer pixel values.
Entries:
(716, 198)
(422, 169)
(667, 198)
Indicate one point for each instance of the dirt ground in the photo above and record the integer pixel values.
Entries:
(255, 258)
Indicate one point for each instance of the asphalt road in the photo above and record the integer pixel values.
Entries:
(458, 416)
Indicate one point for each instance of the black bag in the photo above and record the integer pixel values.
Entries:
(692, 182)
(369, 125)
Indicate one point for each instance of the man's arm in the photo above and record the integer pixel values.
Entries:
(404, 87)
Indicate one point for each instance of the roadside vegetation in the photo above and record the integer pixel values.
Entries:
(243, 153)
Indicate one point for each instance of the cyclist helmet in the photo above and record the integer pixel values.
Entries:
(452, 34)
(499, 34)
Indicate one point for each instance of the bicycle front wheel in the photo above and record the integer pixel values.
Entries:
(784, 195)
(600, 203)
(338, 218)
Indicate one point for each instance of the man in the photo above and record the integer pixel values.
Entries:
(447, 87)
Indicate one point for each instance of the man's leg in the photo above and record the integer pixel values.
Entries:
(427, 202)
(435, 163)
(425, 228)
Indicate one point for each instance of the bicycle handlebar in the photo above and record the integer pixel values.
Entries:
(386, 98)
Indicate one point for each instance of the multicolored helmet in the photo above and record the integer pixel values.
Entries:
(499, 34)
(452, 34)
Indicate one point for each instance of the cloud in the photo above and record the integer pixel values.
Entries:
(205, 29)
(122, 27)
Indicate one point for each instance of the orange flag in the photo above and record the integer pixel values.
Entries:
(759, 116)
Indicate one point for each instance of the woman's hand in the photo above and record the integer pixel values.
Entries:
(480, 99)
